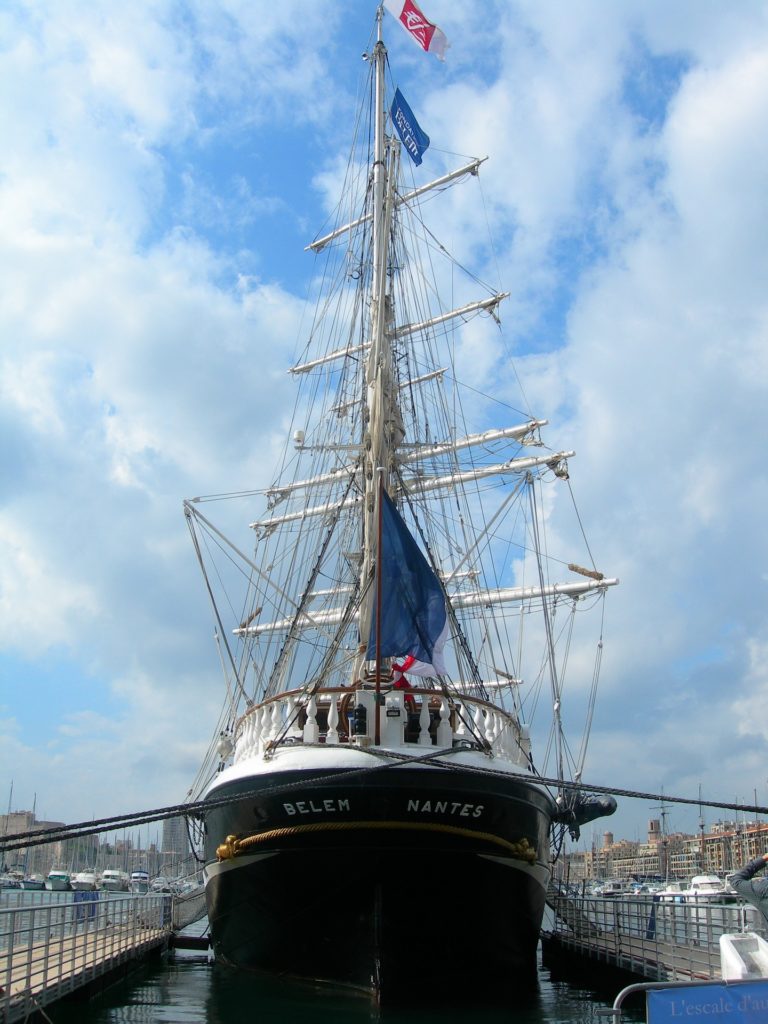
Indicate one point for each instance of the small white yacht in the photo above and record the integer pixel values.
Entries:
(613, 887)
(84, 881)
(33, 882)
(58, 880)
(711, 888)
(673, 892)
(139, 882)
(115, 881)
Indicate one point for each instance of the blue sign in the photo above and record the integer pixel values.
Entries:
(413, 138)
(737, 1003)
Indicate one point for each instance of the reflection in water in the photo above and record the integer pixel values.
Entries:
(188, 989)
(286, 1003)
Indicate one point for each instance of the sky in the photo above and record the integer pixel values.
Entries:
(163, 165)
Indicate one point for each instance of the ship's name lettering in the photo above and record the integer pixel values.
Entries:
(455, 807)
(327, 806)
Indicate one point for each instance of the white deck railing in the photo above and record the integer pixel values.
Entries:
(414, 718)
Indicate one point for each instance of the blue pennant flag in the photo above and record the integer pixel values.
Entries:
(414, 618)
(413, 138)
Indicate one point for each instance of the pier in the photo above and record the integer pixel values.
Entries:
(647, 938)
(52, 948)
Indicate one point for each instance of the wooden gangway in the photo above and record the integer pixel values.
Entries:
(52, 947)
(649, 938)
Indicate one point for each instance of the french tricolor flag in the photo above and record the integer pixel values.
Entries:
(414, 617)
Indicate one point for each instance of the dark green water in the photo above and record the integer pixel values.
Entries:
(188, 989)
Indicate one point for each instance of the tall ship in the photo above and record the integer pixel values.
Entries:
(374, 815)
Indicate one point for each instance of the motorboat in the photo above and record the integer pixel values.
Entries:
(33, 882)
(139, 882)
(84, 881)
(709, 888)
(58, 880)
(114, 880)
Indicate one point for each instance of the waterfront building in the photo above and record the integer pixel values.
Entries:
(78, 854)
(175, 836)
(675, 856)
(32, 859)
(177, 858)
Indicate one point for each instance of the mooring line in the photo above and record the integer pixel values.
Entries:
(198, 808)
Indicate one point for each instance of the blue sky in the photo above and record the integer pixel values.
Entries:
(163, 167)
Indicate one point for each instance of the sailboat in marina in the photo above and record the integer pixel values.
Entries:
(375, 817)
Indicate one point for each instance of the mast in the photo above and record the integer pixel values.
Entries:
(383, 429)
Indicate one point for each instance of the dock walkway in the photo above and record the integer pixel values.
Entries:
(49, 949)
(653, 940)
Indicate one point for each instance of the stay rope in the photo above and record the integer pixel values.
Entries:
(200, 808)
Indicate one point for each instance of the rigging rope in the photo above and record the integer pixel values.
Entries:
(189, 512)
(553, 675)
(20, 840)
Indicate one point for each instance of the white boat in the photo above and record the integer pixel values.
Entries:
(377, 819)
(614, 887)
(113, 880)
(33, 882)
(709, 888)
(84, 881)
(139, 882)
(58, 880)
(673, 892)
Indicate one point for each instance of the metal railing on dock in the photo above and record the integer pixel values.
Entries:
(664, 941)
(49, 948)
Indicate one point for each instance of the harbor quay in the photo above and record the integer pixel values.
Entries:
(55, 944)
(650, 936)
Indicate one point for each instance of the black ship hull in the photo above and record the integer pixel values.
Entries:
(388, 883)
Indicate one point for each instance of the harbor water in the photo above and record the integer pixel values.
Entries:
(187, 988)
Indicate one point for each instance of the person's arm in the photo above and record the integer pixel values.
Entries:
(745, 874)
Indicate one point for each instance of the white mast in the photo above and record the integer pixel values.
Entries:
(383, 429)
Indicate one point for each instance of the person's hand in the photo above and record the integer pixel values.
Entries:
(765, 857)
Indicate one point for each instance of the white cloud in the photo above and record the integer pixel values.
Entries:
(41, 603)
(751, 715)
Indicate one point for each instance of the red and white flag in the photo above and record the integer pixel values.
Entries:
(428, 36)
